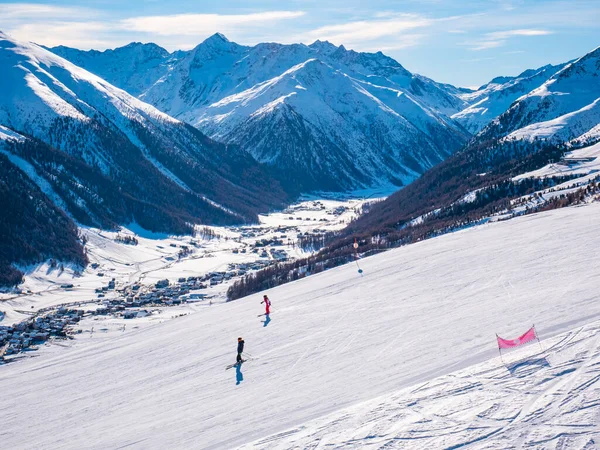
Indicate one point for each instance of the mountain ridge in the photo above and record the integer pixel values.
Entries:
(217, 71)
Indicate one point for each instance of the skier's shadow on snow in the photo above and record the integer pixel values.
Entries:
(239, 376)
(527, 366)
(267, 320)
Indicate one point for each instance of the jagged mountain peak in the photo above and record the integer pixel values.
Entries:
(325, 98)
(531, 72)
(323, 46)
(217, 42)
(134, 50)
(492, 99)
(586, 66)
(217, 38)
(329, 130)
(149, 48)
(501, 80)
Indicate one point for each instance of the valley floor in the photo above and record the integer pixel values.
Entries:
(155, 257)
(337, 340)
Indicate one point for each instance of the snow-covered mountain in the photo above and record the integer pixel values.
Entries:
(330, 130)
(217, 68)
(308, 109)
(133, 67)
(149, 156)
(478, 182)
(313, 110)
(495, 97)
(564, 108)
(97, 156)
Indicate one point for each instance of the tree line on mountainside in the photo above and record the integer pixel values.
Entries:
(96, 193)
(486, 172)
(32, 228)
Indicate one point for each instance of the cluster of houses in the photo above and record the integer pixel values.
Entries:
(163, 292)
(37, 330)
(338, 211)
(274, 241)
(279, 254)
(241, 269)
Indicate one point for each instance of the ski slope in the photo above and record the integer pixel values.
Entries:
(335, 341)
(544, 397)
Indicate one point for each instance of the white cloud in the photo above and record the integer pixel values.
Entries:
(368, 30)
(498, 38)
(32, 11)
(510, 33)
(381, 30)
(204, 24)
(83, 35)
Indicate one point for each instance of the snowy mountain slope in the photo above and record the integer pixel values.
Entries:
(309, 134)
(544, 397)
(585, 161)
(320, 138)
(32, 227)
(133, 67)
(335, 339)
(561, 109)
(495, 97)
(151, 156)
(201, 85)
(579, 126)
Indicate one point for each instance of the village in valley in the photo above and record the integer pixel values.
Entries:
(136, 278)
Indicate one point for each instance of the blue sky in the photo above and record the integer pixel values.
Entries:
(465, 43)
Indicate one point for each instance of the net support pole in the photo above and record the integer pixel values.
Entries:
(538, 338)
(500, 352)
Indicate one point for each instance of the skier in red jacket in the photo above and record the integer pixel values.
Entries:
(267, 303)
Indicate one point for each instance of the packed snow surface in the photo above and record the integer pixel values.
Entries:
(543, 396)
(335, 340)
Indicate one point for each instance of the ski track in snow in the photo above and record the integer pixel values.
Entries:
(337, 340)
(544, 397)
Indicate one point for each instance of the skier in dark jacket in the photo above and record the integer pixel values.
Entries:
(240, 350)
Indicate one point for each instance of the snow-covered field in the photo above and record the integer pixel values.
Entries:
(545, 396)
(155, 257)
(551, 389)
(337, 340)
